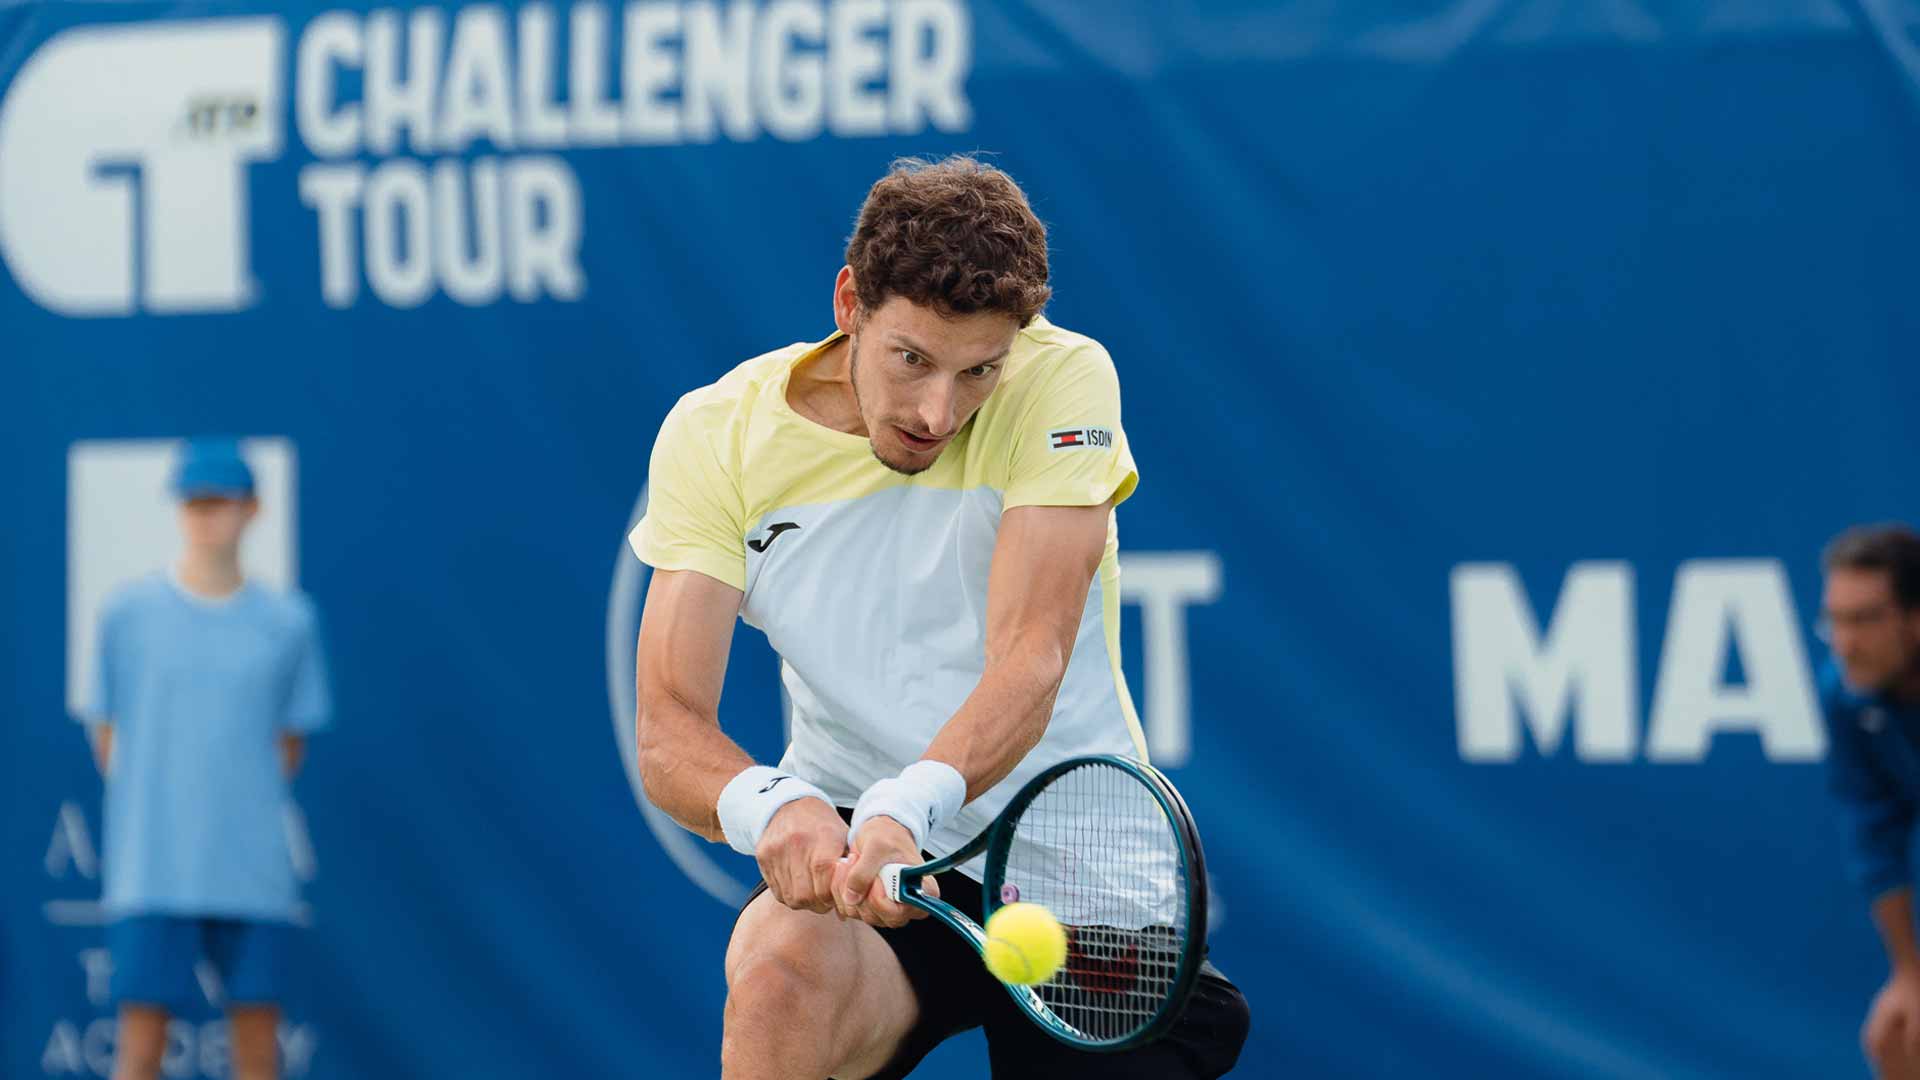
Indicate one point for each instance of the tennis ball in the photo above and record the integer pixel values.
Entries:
(1025, 944)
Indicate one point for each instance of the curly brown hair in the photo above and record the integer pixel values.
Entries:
(956, 235)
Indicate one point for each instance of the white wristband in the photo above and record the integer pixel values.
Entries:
(925, 794)
(749, 800)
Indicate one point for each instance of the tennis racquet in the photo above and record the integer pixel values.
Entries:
(1109, 847)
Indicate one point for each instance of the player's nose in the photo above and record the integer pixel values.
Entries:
(936, 410)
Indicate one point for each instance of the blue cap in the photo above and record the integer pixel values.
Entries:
(212, 467)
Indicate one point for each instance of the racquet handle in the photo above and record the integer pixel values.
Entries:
(890, 879)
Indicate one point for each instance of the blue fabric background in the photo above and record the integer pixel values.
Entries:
(1391, 287)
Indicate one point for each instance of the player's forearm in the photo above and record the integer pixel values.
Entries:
(1006, 714)
(1893, 915)
(685, 761)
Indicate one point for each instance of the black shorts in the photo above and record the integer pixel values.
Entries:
(956, 993)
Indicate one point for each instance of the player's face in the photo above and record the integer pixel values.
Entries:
(919, 376)
(215, 523)
(1874, 639)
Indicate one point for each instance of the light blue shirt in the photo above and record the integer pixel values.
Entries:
(199, 692)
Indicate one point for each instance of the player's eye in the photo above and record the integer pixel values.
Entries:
(911, 358)
(982, 371)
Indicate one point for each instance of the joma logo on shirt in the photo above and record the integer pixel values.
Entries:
(773, 533)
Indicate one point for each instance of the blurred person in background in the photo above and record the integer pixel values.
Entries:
(207, 687)
(1871, 697)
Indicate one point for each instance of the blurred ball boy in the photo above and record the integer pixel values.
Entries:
(208, 685)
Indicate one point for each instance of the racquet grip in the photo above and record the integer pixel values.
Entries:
(890, 879)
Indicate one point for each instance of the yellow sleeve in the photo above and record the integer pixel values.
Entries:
(694, 519)
(1068, 446)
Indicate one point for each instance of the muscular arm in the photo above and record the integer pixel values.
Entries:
(1043, 564)
(686, 631)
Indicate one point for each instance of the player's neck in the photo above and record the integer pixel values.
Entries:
(210, 574)
(820, 388)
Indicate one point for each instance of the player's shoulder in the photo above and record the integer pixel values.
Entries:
(715, 413)
(1049, 361)
(1043, 348)
(743, 387)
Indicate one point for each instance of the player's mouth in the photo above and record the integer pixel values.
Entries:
(916, 443)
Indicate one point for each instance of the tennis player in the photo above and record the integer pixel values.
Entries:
(918, 511)
(207, 688)
(1871, 698)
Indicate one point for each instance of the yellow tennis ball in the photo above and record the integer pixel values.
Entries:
(1025, 944)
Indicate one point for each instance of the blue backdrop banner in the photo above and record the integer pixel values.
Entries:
(1495, 371)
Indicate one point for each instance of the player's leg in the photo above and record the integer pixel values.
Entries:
(251, 959)
(153, 957)
(1204, 1043)
(255, 1038)
(140, 1042)
(810, 995)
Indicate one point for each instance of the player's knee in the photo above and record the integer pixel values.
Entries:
(779, 947)
(762, 994)
(1879, 1047)
(774, 975)
(1890, 1058)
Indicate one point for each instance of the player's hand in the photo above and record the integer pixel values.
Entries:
(1891, 1035)
(857, 888)
(799, 852)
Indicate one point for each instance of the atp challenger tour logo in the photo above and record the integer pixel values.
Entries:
(435, 137)
(129, 192)
(1162, 584)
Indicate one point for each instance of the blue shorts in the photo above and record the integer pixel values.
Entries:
(154, 958)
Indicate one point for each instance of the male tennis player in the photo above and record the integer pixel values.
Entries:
(918, 512)
(207, 687)
(1871, 697)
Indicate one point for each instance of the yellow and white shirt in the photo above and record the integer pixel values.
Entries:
(871, 585)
